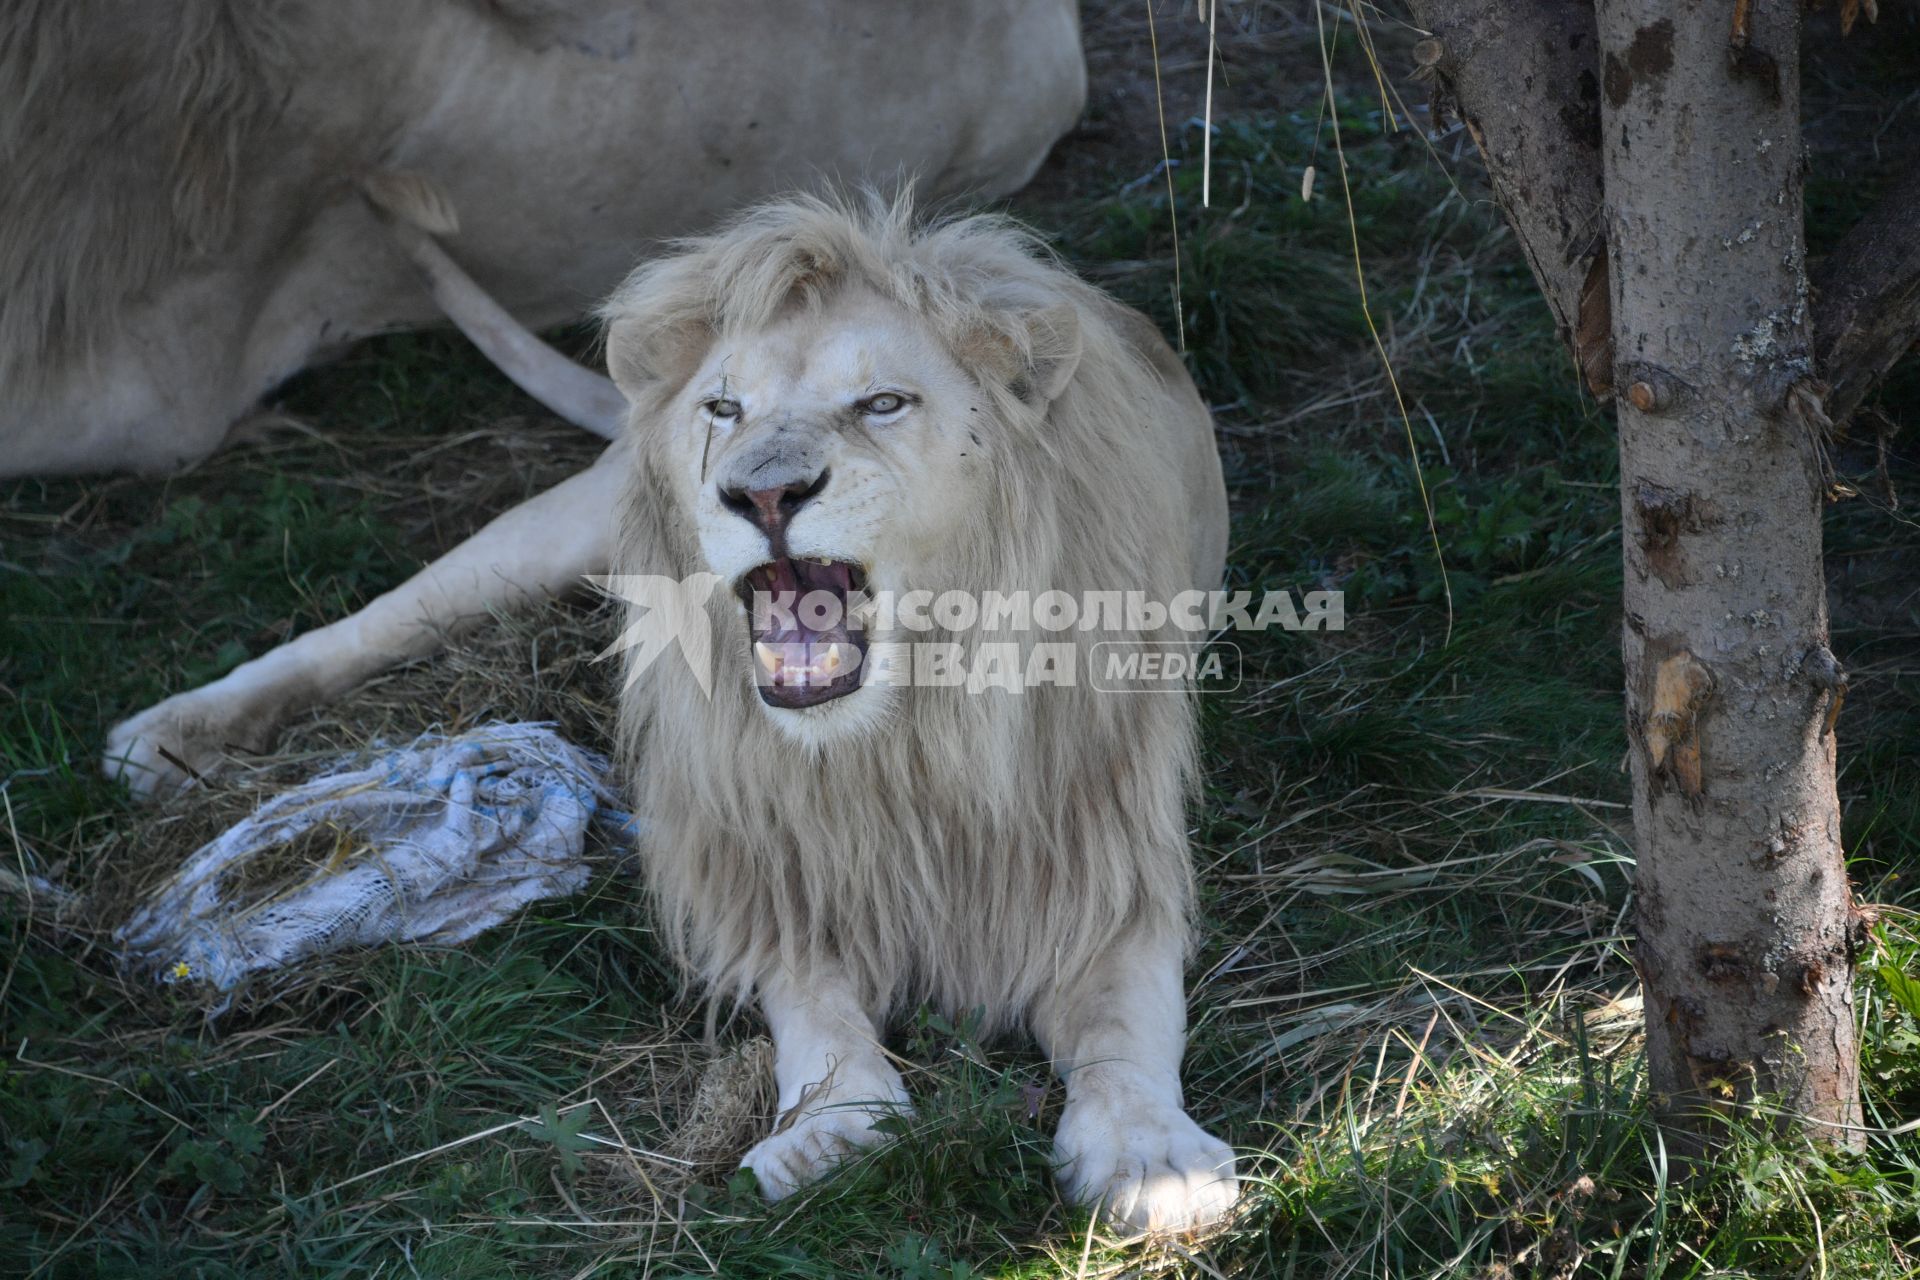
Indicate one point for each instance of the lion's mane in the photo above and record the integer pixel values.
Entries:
(976, 850)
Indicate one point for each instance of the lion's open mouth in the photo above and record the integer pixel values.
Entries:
(808, 645)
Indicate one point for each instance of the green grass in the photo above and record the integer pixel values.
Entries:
(1411, 1006)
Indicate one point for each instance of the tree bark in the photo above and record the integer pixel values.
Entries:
(1747, 934)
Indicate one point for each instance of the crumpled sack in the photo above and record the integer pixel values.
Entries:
(432, 843)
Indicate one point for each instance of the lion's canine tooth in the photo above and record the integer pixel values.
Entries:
(831, 663)
(768, 658)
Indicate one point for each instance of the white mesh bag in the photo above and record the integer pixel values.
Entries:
(431, 843)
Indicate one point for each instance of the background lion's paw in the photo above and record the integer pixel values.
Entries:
(1146, 1166)
(163, 749)
(789, 1159)
(171, 745)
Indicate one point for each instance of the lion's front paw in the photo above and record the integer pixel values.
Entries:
(1144, 1165)
(165, 748)
(813, 1143)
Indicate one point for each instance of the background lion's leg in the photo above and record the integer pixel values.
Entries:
(1125, 1143)
(834, 1079)
(534, 552)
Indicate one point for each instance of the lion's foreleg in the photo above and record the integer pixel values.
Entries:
(1125, 1143)
(538, 550)
(834, 1077)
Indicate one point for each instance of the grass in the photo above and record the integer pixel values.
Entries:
(1411, 1006)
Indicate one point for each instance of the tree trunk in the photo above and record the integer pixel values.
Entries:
(1747, 932)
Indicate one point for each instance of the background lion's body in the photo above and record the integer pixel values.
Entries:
(180, 228)
(976, 849)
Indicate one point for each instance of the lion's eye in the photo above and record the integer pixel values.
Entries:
(722, 409)
(883, 404)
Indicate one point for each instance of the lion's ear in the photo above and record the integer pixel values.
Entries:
(1037, 364)
(642, 352)
(1054, 347)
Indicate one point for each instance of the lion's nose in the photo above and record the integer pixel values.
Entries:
(771, 510)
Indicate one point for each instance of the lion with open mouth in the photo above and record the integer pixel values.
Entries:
(841, 403)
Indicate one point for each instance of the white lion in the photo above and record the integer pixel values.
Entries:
(846, 402)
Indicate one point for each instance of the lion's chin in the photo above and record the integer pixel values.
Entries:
(798, 697)
(821, 726)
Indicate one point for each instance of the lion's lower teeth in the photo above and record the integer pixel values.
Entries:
(803, 664)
